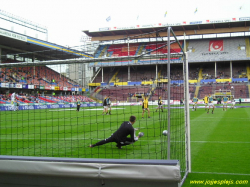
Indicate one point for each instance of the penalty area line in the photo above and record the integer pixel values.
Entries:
(221, 173)
(220, 142)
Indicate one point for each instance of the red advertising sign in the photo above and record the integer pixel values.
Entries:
(216, 45)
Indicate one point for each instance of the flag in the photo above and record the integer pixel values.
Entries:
(195, 10)
(165, 13)
(108, 19)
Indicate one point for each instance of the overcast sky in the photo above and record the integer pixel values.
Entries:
(65, 19)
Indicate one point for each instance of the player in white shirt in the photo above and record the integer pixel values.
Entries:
(13, 99)
(232, 104)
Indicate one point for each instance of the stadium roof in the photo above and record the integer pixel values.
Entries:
(15, 43)
(192, 28)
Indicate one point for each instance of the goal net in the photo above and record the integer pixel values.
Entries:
(39, 99)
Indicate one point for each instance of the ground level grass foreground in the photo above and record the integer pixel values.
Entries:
(220, 142)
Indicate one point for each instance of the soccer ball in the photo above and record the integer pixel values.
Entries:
(141, 134)
(165, 132)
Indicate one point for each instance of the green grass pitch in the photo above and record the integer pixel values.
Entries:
(220, 142)
(68, 133)
(220, 148)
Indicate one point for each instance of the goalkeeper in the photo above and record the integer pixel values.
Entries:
(120, 136)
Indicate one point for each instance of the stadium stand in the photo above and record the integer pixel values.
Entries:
(41, 75)
(108, 74)
(208, 84)
(239, 69)
(122, 94)
(229, 49)
(122, 50)
(72, 98)
(240, 90)
(223, 70)
(194, 71)
(5, 99)
(161, 48)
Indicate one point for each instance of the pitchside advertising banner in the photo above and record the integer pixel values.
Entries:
(8, 107)
(35, 107)
(32, 87)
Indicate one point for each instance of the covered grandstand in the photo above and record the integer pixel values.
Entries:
(218, 56)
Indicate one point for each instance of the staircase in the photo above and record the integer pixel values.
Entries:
(114, 76)
(139, 51)
(197, 91)
(200, 75)
(94, 94)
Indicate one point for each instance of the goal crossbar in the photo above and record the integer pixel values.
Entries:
(91, 60)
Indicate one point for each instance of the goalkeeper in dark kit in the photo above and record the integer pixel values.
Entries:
(121, 135)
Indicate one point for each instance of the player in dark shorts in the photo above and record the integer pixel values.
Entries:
(108, 105)
(105, 106)
(17, 106)
(120, 136)
(159, 105)
(78, 105)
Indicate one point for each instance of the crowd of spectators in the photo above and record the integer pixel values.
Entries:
(41, 75)
(37, 98)
(74, 98)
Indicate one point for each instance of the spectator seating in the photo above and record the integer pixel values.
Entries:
(121, 93)
(122, 50)
(41, 75)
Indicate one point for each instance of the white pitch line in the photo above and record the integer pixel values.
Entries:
(246, 174)
(62, 139)
(102, 109)
(20, 138)
(97, 139)
(219, 142)
(84, 109)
